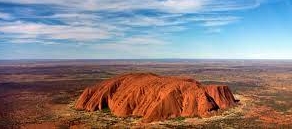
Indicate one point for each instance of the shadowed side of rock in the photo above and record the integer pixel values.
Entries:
(154, 97)
(221, 95)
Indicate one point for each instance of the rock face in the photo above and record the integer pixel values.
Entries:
(221, 95)
(155, 97)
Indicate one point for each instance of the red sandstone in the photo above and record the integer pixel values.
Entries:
(155, 97)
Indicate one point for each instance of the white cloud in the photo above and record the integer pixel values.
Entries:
(74, 33)
(137, 46)
(27, 40)
(170, 6)
(218, 23)
(184, 5)
(5, 16)
(214, 18)
(231, 5)
(119, 5)
(131, 43)
(83, 21)
(140, 20)
(143, 40)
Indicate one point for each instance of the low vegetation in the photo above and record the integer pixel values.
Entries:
(43, 95)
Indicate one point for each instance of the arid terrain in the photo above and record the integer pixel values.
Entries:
(42, 93)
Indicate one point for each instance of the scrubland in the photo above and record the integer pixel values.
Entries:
(35, 94)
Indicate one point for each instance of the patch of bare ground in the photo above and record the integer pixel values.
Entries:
(269, 115)
(271, 107)
(67, 116)
(20, 105)
(40, 96)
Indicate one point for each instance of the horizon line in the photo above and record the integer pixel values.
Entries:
(149, 59)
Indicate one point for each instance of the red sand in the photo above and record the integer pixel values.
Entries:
(155, 97)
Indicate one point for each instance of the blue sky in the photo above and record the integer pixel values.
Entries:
(110, 29)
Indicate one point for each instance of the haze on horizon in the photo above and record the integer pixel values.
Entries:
(125, 29)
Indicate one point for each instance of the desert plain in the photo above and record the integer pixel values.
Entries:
(42, 93)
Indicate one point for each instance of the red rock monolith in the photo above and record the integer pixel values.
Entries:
(155, 97)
